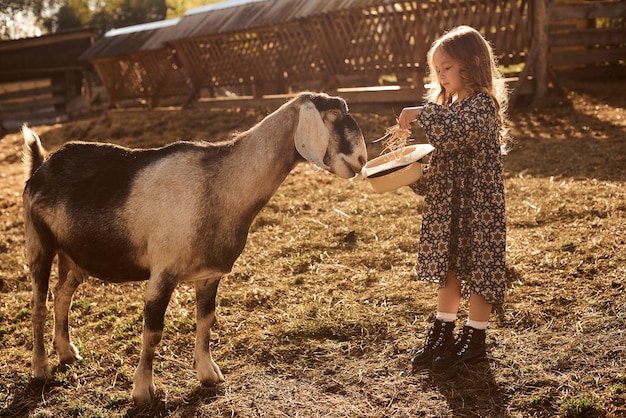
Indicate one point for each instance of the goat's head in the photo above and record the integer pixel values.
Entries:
(327, 136)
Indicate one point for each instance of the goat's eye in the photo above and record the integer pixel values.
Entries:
(335, 114)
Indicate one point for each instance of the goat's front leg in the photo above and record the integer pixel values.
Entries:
(207, 370)
(69, 279)
(158, 293)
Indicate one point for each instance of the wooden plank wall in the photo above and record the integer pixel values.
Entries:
(40, 77)
(33, 101)
(346, 48)
(587, 33)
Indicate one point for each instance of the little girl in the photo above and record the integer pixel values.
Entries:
(462, 242)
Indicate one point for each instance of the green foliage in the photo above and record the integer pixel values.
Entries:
(177, 8)
(82, 306)
(72, 14)
(23, 313)
(134, 12)
(78, 408)
(129, 328)
(102, 16)
(617, 389)
(9, 11)
(6, 330)
(57, 15)
(297, 280)
(36, 6)
(579, 406)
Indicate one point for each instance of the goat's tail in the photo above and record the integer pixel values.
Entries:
(33, 154)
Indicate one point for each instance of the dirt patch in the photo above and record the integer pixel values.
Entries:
(321, 313)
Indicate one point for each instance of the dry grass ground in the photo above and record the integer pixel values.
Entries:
(321, 312)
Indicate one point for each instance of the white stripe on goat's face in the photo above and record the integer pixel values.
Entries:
(328, 137)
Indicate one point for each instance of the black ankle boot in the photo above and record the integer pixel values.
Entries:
(440, 339)
(470, 346)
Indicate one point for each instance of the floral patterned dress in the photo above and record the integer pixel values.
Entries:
(464, 226)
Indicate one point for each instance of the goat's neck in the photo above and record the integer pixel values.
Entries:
(265, 155)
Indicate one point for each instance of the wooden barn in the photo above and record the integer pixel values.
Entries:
(40, 77)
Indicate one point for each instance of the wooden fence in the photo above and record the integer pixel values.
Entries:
(35, 101)
(353, 43)
(587, 33)
(349, 44)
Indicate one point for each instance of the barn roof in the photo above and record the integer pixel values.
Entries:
(223, 17)
(41, 56)
(144, 37)
(236, 15)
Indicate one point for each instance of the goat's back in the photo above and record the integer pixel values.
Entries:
(117, 212)
(95, 175)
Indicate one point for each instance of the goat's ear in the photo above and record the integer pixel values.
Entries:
(312, 135)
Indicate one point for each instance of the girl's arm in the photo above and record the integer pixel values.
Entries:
(408, 115)
(457, 128)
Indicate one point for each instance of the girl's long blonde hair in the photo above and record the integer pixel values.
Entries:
(479, 71)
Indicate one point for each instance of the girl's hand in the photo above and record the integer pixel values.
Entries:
(408, 115)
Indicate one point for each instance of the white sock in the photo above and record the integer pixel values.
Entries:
(477, 324)
(446, 317)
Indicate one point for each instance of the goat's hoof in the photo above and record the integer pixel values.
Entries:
(211, 379)
(209, 383)
(143, 395)
(42, 373)
(210, 374)
(70, 356)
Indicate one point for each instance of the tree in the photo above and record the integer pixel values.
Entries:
(66, 18)
(14, 11)
(177, 8)
(101, 22)
(101, 15)
(134, 12)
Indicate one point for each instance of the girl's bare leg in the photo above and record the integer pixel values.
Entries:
(479, 310)
(441, 337)
(449, 296)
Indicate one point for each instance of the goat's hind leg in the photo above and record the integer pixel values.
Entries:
(207, 370)
(40, 264)
(70, 278)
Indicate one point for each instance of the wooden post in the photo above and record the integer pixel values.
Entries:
(541, 19)
(537, 60)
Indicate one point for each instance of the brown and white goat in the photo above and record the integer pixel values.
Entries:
(165, 215)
